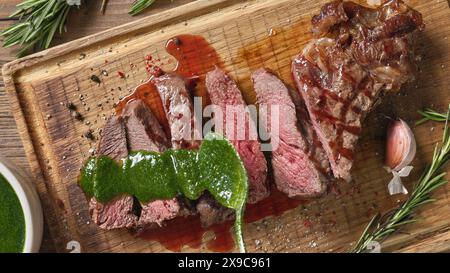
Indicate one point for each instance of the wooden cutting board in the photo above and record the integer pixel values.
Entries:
(247, 35)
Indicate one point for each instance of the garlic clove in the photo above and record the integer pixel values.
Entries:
(400, 145)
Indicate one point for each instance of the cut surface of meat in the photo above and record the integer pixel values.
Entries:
(342, 76)
(113, 142)
(177, 103)
(159, 211)
(225, 94)
(144, 133)
(117, 213)
(295, 172)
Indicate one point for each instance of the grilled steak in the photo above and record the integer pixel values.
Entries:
(113, 142)
(146, 134)
(342, 75)
(225, 94)
(180, 115)
(211, 212)
(315, 149)
(119, 212)
(179, 111)
(295, 172)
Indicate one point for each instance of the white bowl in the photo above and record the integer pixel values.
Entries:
(31, 205)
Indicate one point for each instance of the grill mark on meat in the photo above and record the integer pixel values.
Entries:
(342, 75)
(314, 149)
(224, 93)
(294, 172)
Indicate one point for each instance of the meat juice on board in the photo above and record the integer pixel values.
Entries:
(195, 57)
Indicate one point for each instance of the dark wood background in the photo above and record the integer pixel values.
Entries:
(82, 22)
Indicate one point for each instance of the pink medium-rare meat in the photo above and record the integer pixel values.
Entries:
(118, 213)
(342, 75)
(179, 111)
(114, 214)
(295, 173)
(144, 133)
(225, 94)
(177, 103)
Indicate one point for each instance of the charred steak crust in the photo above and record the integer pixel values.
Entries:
(315, 149)
(211, 212)
(117, 213)
(295, 173)
(342, 76)
(225, 94)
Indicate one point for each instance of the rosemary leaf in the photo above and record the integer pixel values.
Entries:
(429, 114)
(139, 6)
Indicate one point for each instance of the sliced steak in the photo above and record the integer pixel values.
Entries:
(113, 141)
(119, 212)
(225, 94)
(177, 103)
(295, 173)
(342, 76)
(316, 151)
(212, 212)
(144, 133)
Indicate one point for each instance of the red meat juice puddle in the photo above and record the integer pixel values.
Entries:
(195, 57)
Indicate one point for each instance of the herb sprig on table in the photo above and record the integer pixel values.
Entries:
(382, 226)
(139, 6)
(40, 20)
(429, 114)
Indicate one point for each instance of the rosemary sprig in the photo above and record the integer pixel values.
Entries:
(382, 226)
(140, 5)
(39, 21)
(430, 114)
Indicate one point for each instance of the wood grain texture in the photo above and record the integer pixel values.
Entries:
(239, 31)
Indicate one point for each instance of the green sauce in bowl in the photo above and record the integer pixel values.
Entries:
(12, 221)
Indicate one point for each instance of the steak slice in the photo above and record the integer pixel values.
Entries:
(315, 149)
(177, 103)
(295, 173)
(144, 133)
(211, 212)
(343, 75)
(118, 213)
(225, 94)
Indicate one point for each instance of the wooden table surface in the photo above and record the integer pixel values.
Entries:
(85, 21)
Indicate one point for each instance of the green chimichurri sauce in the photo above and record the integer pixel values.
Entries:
(12, 221)
(216, 167)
